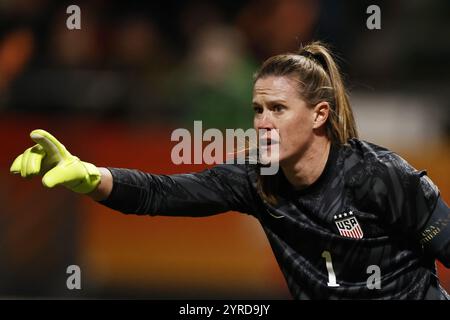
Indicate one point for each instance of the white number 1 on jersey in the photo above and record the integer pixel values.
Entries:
(331, 275)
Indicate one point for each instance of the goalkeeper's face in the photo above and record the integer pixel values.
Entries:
(277, 105)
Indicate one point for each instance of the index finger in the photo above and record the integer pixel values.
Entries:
(50, 144)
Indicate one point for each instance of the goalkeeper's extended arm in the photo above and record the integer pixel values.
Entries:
(50, 159)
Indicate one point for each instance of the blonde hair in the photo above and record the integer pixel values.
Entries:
(319, 79)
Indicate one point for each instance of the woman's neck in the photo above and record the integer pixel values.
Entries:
(305, 170)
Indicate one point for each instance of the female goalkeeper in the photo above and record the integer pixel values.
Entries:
(346, 219)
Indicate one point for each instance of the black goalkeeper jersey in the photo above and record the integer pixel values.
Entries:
(370, 227)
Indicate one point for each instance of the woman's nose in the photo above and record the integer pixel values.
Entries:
(264, 121)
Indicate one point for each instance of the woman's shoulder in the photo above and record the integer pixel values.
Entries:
(366, 150)
(366, 160)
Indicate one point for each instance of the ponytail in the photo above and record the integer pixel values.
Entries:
(342, 124)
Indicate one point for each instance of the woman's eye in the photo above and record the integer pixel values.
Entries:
(257, 109)
(278, 108)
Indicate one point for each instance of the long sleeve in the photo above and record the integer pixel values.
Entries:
(414, 206)
(219, 189)
(435, 236)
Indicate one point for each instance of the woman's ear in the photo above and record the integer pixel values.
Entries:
(321, 112)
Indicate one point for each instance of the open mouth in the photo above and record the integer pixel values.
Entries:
(268, 138)
(265, 142)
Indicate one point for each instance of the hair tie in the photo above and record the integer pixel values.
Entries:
(316, 58)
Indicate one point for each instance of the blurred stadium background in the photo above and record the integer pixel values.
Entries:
(114, 91)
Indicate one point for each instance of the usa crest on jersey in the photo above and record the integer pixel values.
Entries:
(348, 225)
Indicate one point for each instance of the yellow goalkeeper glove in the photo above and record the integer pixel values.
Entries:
(51, 159)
